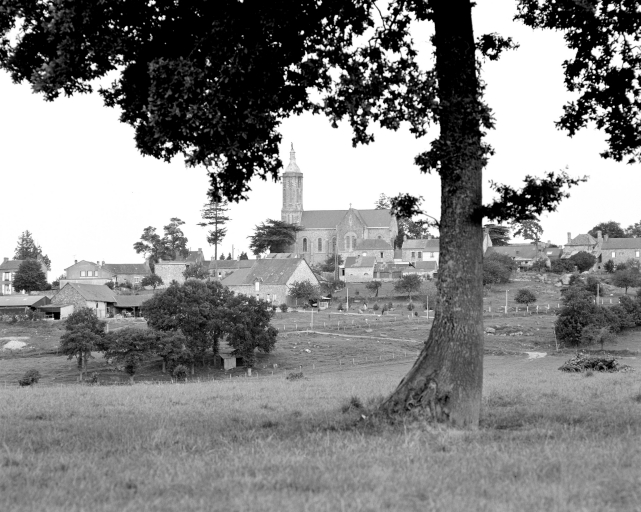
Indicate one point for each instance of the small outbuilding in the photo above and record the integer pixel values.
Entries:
(21, 304)
(57, 311)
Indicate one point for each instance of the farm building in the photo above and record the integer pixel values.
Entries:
(57, 311)
(21, 304)
(226, 267)
(271, 279)
(227, 361)
(130, 305)
(172, 270)
(97, 297)
(358, 269)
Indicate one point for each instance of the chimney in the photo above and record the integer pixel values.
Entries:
(599, 236)
(75, 261)
(569, 237)
(98, 263)
(606, 237)
(5, 260)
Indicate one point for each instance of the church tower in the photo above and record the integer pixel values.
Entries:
(292, 211)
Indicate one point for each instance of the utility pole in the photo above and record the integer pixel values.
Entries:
(506, 302)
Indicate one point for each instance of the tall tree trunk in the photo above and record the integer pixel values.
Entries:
(80, 367)
(447, 377)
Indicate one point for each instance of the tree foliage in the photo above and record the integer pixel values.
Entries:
(352, 62)
(583, 260)
(197, 271)
(500, 235)
(172, 245)
(610, 228)
(562, 266)
(408, 284)
(608, 266)
(329, 265)
(214, 215)
(30, 277)
(525, 296)
(273, 236)
(529, 229)
(374, 286)
(152, 280)
(27, 249)
(85, 333)
(130, 347)
(303, 290)
(495, 272)
(626, 278)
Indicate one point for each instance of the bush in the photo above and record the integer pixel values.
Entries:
(502, 259)
(390, 306)
(562, 266)
(609, 266)
(340, 306)
(295, 376)
(375, 307)
(577, 312)
(583, 260)
(180, 373)
(411, 306)
(30, 377)
(283, 307)
(495, 272)
(525, 296)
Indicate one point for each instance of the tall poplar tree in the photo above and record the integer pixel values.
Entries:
(214, 215)
(27, 249)
(213, 81)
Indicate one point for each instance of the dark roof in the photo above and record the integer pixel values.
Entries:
(363, 262)
(10, 265)
(426, 244)
(97, 292)
(329, 219)
(349, 261)
(514, 251)
(621, 243)
(584, 239)
(281, 255)
(127, 268)
(373, 244)
(21, 300)
(130, 301)
(268, 272)
(230, 264)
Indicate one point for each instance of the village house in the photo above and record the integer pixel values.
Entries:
(358, 269)
(425, 269)
(172, 270)
(619, 250)
(81, 295)
(422, 249)
(271, 279)
(523, 254)
(582, 243)
(377, 248)
(8, 269)
(100, 273)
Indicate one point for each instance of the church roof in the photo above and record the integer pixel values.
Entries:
(329, 219)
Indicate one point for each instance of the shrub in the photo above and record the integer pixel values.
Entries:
(577, 312)
(274, 308)
(180, 373)
(562, 266)
(583, 260)
(609, 266)
(30, 377)
(390, 306)
(495, 272)
(375, 307)
(305, 306)
(411, 306)
(592, 335)
(525, 296)
(340, 306)
(295, 376)
(283, 307)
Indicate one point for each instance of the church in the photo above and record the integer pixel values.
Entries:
(349, 232)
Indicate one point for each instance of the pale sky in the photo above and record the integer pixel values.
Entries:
(72, 176)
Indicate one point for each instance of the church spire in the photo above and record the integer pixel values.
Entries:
(292, 155)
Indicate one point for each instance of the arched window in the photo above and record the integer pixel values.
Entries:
(304, 244)
(320, 245)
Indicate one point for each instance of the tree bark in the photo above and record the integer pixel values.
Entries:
(446, 380)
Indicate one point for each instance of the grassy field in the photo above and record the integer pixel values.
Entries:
(548, 441)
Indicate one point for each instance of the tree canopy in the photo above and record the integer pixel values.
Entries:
(27, 249)
(172, 245)
(213, 81)
(214, 215)
(30, 277)
(273, 236)
(610, 228)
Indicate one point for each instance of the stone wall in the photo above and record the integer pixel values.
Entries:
(170, 271)
(620, 255)
(69, 295)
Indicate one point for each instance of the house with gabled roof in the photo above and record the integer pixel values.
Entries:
(422, 249)
(582, 243)
(271, 279)
(326, 232)
(81, 295)
(359, 269)
(619, 250)
(18, 304)
(523, 254)
(8, 269)
(226, 267)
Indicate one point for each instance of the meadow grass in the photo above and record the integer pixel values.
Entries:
(547, 441)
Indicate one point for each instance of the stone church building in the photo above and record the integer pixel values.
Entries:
(349, 232)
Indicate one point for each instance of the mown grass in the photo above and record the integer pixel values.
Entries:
(548, 441)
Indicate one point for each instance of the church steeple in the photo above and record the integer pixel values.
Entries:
(292, 210)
